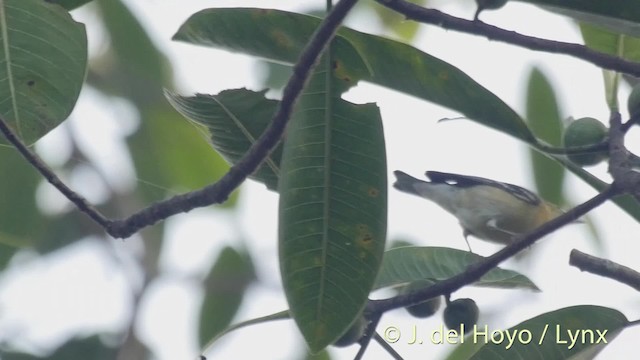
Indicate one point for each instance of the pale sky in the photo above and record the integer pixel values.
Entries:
(94, 297)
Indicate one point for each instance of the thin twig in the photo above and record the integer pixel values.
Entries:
(370, 331)
(394, 354)
(438, 18)
(606, 268)
(33, 159)
(476, 271)
(218, 192)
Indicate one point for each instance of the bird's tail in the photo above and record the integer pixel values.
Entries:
(406, 183)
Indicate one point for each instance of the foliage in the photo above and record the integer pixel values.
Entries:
(324, 156)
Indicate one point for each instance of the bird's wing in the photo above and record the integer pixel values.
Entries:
(470, 181)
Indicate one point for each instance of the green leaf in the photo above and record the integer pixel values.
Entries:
(20, 219)
(142, 65)
(543, 118)
(411, 263)
(79, 348)
(170, 154)
(44, 58)
(395, 22)
(281, 315)
(280, 36)
(235, 119)
(69, 4)
(332, 212)
(550, 337)
(225, 287)
(625, 46)
(625, 202)
(617, 15)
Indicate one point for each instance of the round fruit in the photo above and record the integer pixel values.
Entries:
(461, 313)
(490, 4)
(633, 102)
(583, 132)
(352, 335)
(425, 308)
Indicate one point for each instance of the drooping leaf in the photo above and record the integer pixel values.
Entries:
(280, 36)
(544, 119)
(332, 212)
(280, 315)
(411, 263)
(617, 15)
(235, 119)
(225, 287)
(593, 327)
(43, 63)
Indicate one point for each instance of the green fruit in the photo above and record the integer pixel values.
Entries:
(490, 4)
(425, 308)
(583, 132)
(461, 312)
(633, 102)
(354, 333)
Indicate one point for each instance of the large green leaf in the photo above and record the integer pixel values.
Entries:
(549, 336)
(617, 15)
(225, 287)
(332, 212)
(43, 62)
(235, 119)
(543, 117)
(411, 263)
(280, 36)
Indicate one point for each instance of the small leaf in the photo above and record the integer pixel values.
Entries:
(332, 212)
(44, 59)
(225, 286)
(544, 119)
(411, 263)
(549, 334)
(235, 119)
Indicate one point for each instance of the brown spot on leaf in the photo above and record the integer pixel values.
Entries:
(282, 40)
(373, 192)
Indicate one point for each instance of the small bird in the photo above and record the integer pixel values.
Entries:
(487, 209)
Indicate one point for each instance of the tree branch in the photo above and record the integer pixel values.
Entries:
(606, 268)
(219, 191)
(476, 271)
(445, 21)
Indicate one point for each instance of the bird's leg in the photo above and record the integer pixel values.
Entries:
(466, 233)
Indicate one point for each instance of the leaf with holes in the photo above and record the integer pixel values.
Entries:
(333, 202)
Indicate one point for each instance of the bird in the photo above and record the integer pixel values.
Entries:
(486, 209)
